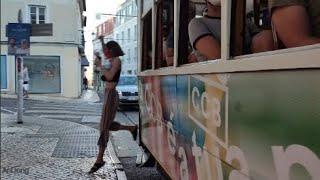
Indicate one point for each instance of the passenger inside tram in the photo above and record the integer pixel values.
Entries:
(169, 44)
(192, 11)
(262, 29)
(165, 33)
(277, 24)
(295, 23)
(205, 32)
(147, 43)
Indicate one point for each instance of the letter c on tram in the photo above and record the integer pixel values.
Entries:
(195, 106)
(204, 105)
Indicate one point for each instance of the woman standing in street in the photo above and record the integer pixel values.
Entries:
(110, 74)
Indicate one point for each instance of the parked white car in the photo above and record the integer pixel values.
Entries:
(128, 90)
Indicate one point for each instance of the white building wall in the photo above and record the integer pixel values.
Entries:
(97, 47)
(64, 15)
(123, 23)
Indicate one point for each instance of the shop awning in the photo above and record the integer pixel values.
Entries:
(84, 61)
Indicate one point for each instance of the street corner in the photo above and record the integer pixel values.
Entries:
(33, 159)
(58, 169)
(9, 125)
(50, 149)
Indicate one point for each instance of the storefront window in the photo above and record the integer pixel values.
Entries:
(3, 72)
(44, 73)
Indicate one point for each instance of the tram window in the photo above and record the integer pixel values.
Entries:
(250, 27)
(165, 33)
(147, 42)
(266, 25)
(200, 31)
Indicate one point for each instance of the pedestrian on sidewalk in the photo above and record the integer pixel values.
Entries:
(85, 82)
(26, 80)
(110, 75)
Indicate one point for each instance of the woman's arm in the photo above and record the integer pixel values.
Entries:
(102, 41)
(115, 67)
(293, 26)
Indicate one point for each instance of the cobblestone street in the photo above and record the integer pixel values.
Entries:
(59, 137)
(49, 149)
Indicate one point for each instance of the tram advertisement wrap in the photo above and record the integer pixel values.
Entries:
(239, 126)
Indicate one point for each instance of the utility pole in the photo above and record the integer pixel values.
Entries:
(19, 60)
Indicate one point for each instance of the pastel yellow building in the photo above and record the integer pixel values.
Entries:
(56, 56)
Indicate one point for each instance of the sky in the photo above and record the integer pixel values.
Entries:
(93, 7)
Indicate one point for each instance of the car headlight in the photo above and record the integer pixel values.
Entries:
(119, 92)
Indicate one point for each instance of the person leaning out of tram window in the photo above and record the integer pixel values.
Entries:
(170, 46)
(295, 23)
(110, 74)
(205, 32)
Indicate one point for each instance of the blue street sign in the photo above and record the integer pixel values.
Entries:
(19, 39)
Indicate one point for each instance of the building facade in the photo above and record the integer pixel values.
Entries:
(56, 56)
(104, 29)
(125, 33)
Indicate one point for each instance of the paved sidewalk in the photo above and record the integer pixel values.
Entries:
(49, 149)
(89, 95)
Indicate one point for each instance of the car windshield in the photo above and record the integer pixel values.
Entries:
(125, 80)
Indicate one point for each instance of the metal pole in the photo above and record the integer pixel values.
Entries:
(20, 89)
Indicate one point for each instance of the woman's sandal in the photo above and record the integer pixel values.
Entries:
(96, 167)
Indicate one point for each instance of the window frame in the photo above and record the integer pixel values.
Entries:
(6, 74)
(129, 35)
(129, 56)
(122, 37)
(142, 20)
(135, 55)
(135, 32)
(37, 13)
(154, 35)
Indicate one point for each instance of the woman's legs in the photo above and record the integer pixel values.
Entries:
(100, 154)
(99, 162)
(107, 124)
(115, 126)
(25, 93)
